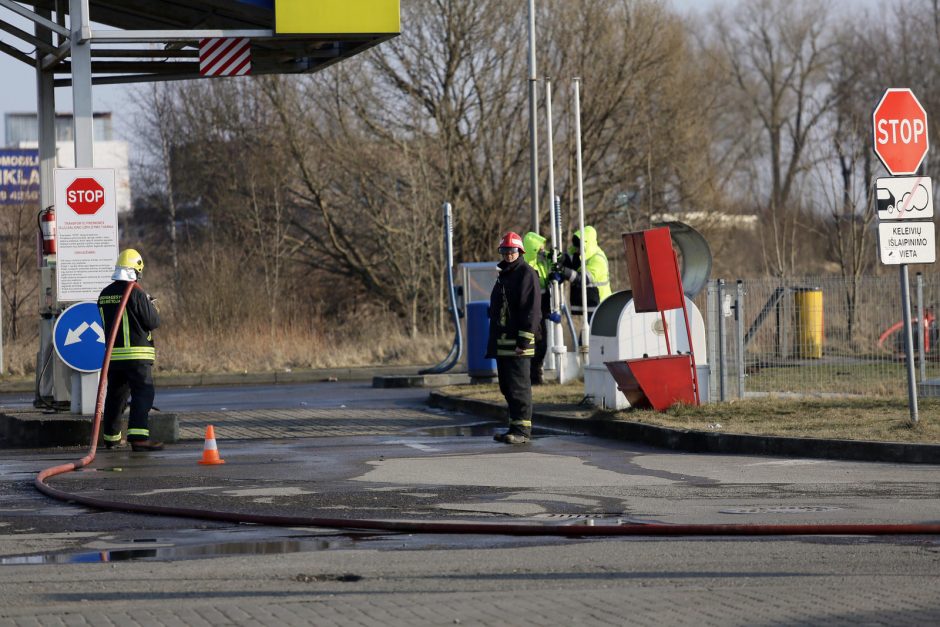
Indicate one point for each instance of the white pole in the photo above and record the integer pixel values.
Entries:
(909, 342)
(585, 330)
(533, 130)
(84, 384)
(549, 135)
(82, 108)
(557, 336)
(49, 383)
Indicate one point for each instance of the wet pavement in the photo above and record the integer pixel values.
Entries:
(348, 451)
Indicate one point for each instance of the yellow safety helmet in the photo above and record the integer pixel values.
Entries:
(130, 258)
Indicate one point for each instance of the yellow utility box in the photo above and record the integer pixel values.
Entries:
(808, 302)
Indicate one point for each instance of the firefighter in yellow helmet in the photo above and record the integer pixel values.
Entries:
(130, 370)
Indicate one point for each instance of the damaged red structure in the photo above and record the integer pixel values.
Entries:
(661, 381)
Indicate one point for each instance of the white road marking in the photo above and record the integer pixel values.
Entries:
(415, 445)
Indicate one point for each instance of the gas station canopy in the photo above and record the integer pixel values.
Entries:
(81, 43)
(154, 40)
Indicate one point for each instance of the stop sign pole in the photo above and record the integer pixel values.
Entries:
(901, 142)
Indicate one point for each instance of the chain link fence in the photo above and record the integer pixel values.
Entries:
(818, 336)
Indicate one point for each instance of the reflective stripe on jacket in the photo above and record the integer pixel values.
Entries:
(514, 311)
(134, 339)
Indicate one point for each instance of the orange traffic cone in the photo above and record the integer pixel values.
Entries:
(210, 452)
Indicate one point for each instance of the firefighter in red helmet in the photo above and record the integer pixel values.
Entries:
(514, 324)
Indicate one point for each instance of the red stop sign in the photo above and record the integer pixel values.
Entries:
(900, 125)
(85, 196)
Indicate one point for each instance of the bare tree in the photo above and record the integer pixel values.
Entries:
(778, 54)
(457, 81)
(18, 232)
(379, 143)
(159, 128)
(851, 208)
(363, 211)
(242, 168)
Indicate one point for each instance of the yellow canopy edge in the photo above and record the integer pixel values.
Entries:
(336, 17)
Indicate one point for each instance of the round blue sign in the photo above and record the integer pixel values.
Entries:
(78, 337)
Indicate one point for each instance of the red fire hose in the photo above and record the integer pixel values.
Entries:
(99, 405)
(418, 526)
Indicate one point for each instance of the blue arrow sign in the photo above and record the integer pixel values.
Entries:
(78, 337)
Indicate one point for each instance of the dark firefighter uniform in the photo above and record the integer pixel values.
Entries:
(130, 370)
(515, 315)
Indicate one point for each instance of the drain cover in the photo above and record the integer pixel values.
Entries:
(780, 509)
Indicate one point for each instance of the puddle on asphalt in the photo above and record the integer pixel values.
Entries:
(180, 552)
(477, 430)
(187, 546)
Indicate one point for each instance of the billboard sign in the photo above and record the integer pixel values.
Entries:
(19, 176)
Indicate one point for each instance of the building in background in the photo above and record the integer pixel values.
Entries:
(22, 133)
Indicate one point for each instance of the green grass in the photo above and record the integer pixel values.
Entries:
(885, 419)
(880, 378)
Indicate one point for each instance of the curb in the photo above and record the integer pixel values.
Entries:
(36, 430)
(707, 442)
(419, 380)
(358, 373)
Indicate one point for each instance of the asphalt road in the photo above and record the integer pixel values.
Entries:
(380, 454)
(221, 398)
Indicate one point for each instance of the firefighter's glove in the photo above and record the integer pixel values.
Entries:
(555, 317)
(555, 276)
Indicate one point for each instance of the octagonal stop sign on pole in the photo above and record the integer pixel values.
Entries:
(85, 196)
(900, 127)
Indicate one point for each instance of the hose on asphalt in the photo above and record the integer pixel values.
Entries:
(99, 406)
(441, 527)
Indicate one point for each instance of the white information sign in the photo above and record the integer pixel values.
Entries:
(904, 198)
(906, 242)
(86, 232)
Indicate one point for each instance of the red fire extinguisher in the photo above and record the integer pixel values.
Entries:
(47, 229)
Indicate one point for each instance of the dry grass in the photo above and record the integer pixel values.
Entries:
(255, 349)
(263, 350)
(875, 419)
(19, 357)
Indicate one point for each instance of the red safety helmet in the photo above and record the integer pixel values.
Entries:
(512, 240)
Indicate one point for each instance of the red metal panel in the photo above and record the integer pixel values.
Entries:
(655, 382)
(653, 270)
